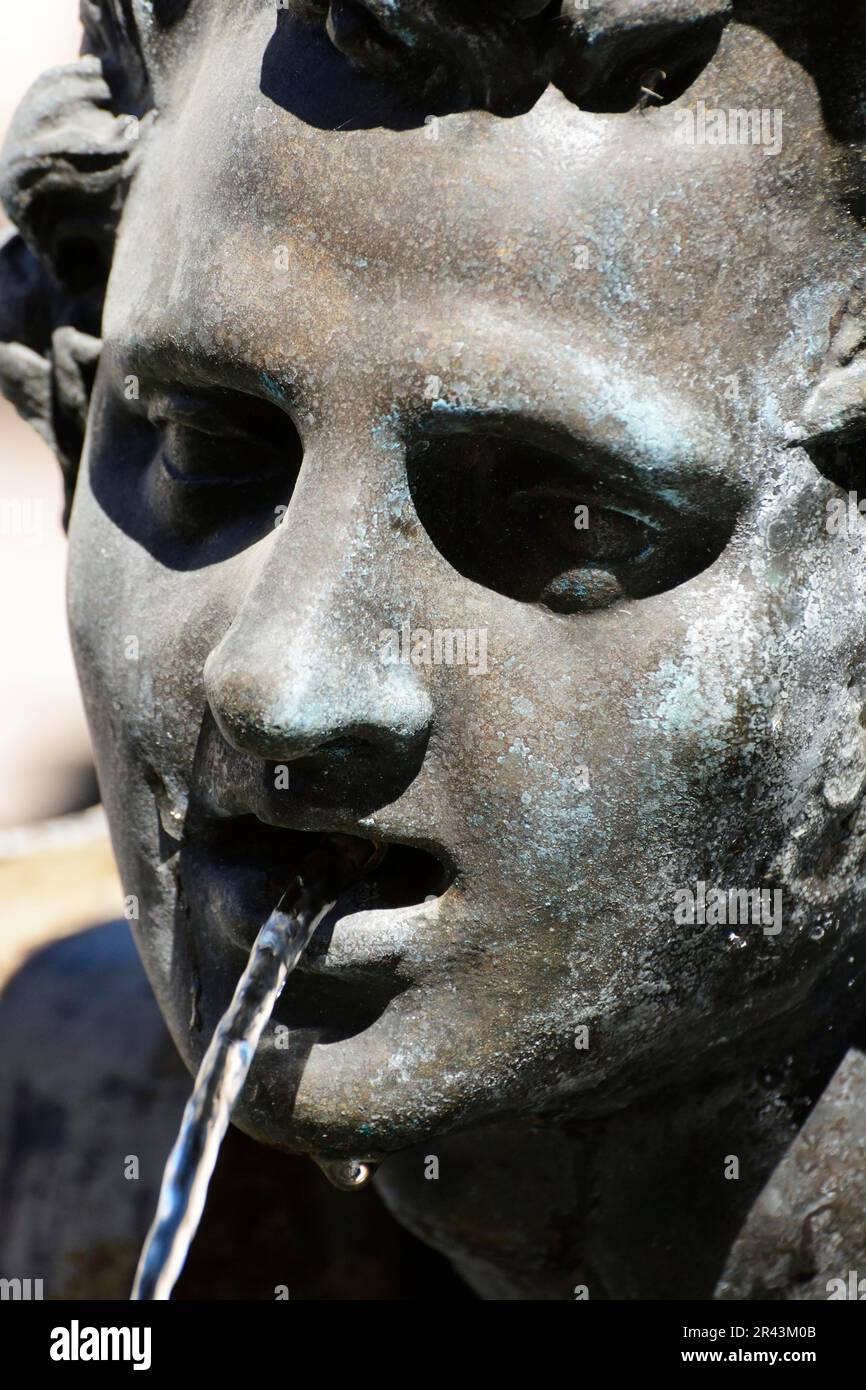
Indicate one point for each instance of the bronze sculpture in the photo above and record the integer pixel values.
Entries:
(433, 330)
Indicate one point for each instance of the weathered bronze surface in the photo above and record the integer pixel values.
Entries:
(463, 459)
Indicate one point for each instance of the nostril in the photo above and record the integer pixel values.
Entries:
(632, 66)
(355, 32)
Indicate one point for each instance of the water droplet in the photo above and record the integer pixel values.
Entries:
(171, 804)
(816, 933)
(735, 942)
(348, 1174)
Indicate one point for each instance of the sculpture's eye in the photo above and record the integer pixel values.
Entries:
(219, 459)
(545, 528)
(194, 474)
(586, 542)
(641, 65)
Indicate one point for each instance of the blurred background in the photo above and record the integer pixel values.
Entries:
(56, 873)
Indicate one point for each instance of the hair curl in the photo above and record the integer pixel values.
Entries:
(66, 167)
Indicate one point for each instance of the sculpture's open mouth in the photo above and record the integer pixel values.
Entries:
(236, 869)
(398, 874)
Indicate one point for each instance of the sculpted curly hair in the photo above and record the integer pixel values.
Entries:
(500, 54)
(67, 163)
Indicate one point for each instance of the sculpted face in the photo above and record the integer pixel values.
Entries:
(357, 386)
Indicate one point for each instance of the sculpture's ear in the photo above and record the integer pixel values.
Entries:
(833, 423)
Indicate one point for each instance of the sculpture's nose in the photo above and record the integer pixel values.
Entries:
(302, 678)
(300, 699)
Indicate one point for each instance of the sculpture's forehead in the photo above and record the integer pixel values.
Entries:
(324, 243)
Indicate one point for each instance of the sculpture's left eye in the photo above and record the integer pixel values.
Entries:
(569, 530)
(577, 541)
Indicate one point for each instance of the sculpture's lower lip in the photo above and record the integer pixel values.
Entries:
(367, 939)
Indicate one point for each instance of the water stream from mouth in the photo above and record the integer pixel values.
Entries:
(221, 1076)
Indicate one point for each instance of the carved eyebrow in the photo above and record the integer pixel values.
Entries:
(519, 363)
(615, 427)
(586, 408)
(166, 366)
(654, 430)
(641, 420)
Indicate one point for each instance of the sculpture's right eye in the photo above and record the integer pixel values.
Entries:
(200, 463)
